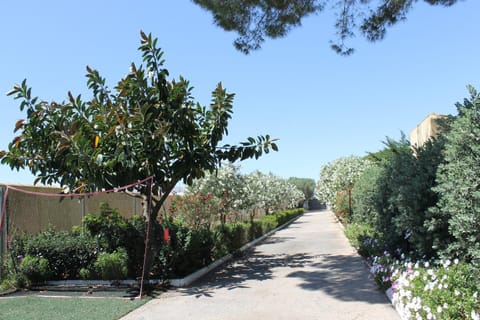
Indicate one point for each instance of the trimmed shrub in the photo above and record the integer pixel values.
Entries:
(34, 269)
(188, 251)
(65, 252)
(230, 237)
(112, 266)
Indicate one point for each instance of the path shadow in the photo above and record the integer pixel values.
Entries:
(253, 266)
(276, 239)
(342, 276)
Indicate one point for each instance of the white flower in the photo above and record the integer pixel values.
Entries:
(475, 295)
(439, 309)
(456, 261)
(456, 292)
(475, 316)
(427, 264)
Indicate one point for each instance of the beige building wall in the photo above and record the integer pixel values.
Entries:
(427, 129)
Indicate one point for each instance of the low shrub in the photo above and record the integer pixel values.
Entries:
(113, 231)
(187, 251)
(363, 238)
(267, 223)
(255, 230)
(34, 269)
(85, 274)
(230, 237)
(112, 266)
(65, 252)
(287, 215)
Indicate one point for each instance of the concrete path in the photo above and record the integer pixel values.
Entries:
(305, 271)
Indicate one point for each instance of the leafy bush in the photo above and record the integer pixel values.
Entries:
(363, 238)
(85, 274)
(268, 222)
(65, 252)
(367, 192)
(395, 196)
(35, 269)
(197, 210)
(458, 210)
(113, 231)
(187, 251)
(343, 204)
(230, 237)
(284, 216)
(112, 266)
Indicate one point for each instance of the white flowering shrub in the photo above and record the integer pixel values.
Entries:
(339, 176)
(247, 193)
(226, 184)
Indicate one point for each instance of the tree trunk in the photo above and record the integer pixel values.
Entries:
(153, 239)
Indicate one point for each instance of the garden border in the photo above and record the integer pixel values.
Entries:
(180, 282)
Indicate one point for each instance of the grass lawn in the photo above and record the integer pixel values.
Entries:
(30, 307)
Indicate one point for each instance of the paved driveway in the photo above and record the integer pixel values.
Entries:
(305, 271)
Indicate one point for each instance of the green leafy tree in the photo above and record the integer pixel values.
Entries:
(394, 196)
(306, 185)
(146, 126)
(255, 20)
(459, 183)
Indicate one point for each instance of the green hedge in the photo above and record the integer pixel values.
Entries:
(66, 252)
(190, 250)
(112, 247)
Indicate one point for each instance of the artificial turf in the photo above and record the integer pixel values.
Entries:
(68, 308)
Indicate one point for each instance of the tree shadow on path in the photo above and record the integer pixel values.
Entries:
(253, 266)
(343, 277)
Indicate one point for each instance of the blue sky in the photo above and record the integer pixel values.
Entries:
(320, 105)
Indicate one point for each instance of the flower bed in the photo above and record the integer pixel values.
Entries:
(442, 289)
